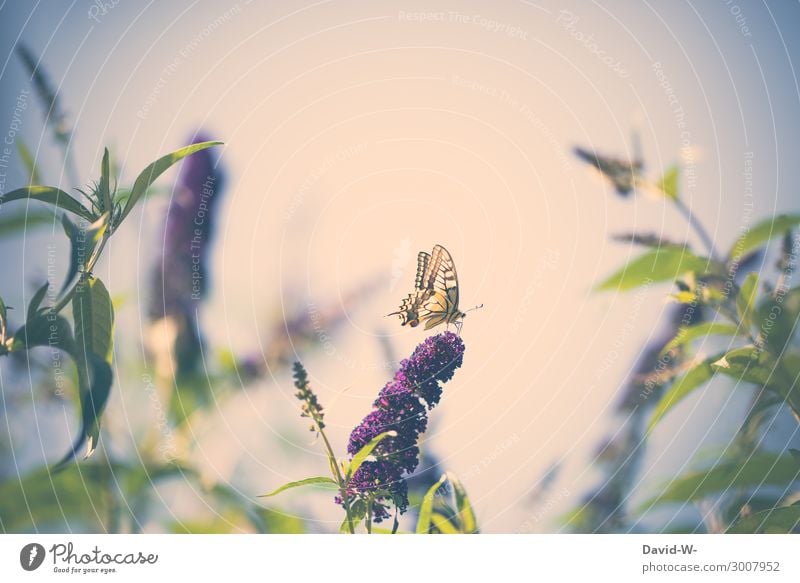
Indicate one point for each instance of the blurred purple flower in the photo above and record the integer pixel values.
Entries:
(180, 276)
(401, 408)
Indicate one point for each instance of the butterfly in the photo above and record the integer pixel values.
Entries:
(435, 296)
(623, 174)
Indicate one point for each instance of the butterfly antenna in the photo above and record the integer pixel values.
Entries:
(475, 308)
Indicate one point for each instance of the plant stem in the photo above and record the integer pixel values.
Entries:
(697, 226)
(67, 297)
(339, 478)
(369, 515)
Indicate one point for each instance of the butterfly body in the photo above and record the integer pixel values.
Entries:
(434, 300)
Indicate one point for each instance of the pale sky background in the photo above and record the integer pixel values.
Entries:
(359, 133)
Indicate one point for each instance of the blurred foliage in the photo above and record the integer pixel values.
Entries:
(755, 317)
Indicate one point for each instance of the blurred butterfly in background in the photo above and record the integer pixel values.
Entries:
(434, 300)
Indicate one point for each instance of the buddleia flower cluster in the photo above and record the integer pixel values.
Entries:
(401, 407)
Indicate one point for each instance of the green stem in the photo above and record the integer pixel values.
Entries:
(339, 478)
(67, 297)
(697, 226)
(369, 515)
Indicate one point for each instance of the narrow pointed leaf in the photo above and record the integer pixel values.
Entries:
(656, 265)
(466, 513)
(760, 469)
(687, 334)
(681, 388)
(297, 484)
(362, 455)
(781, 520)
(668, 184)
(28, 162)
(104, 188)
(762, 233)
(49, 195)
(426, 508)
(442, 524)
(156, 169)
(94, 335)
(82, 244)
(746, 300)
(36, 301)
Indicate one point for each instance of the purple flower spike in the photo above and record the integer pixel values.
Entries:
(401, 408)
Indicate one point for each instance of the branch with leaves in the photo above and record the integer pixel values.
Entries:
(89, 221)
(757, 316)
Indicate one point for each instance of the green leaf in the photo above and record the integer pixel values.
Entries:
(156, 169)
(442, 524)
(362, 454)
(426, 508)
(358, 512)
(681, 388)
(656, 265)
(795, 453)
(82, 244)
(760, 469)
(748, 364)
(761, 233)
(777, 319)
(781, 520)
(28, 162)
(687, 334)
(94, 318)
(746, 300)
(45, 330)
(297, 484)
(3, 325)
(12, 222)
(94, 346)
(668, 184)
(36, 301)
(49, 195)
(104, 187)
(466, 514)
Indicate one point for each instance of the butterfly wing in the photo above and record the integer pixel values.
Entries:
(410, 307)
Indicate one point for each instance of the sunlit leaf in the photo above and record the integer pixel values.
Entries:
(781, 520)
(761, 233)
(687, 334)
(664, 264)
(466, 514)
(442, 524)
(748, 364)
(681, 388)
(94, 342)
(361, 456)
(426, 508)
(104, 187)
(156, 169)
(29, 163)
(36, 301)
(82, 244)
(298, 483)
(760, 469)
(49, 195)
(668, 184)
(778, 318)
(746, 301)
